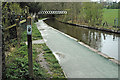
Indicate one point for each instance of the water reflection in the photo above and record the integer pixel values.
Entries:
(103, 41)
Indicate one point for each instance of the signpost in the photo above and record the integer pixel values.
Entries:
(29, 40)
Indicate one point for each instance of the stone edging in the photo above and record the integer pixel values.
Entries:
(95, 28)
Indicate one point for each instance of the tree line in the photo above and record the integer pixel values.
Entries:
(83, 12)
(113, 5)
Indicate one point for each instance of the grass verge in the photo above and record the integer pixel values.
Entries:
(52, 62)
(17, 65)
(35, 32)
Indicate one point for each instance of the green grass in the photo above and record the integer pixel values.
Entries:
(36, 35)
(109, 15)
(53, 63)
(35, 32)
(17, 65)
(40, 18)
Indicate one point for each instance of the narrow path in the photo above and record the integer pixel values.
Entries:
(77, 61)
(38, 41)
(41, 41)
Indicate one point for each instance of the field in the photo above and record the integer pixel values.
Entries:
(109, 15)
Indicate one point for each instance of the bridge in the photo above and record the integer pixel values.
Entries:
(52, 12)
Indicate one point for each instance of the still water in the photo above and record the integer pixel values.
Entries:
(104, 42)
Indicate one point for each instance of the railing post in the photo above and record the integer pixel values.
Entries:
(3, 55)
(29, 41)
(26, 12)
(18, 32)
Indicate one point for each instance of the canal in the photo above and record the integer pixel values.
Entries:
(76, 60)
(104, 42)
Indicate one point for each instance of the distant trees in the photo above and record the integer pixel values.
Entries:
(15, 7)
(82, 13)
(10, 12)
(86, 12)
(119, 5)
(113, 5)
(4, 14)
(92, 13)
(34, 7)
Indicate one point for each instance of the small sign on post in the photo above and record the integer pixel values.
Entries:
(29, 40)
(29, 30)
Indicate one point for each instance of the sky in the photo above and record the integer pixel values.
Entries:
(108, 0)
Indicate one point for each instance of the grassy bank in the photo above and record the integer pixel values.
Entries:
(17, 60)
(109, 15)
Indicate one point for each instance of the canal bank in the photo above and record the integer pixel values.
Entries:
(76, 60)
(95, 28)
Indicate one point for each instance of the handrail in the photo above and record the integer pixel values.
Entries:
(15, 24)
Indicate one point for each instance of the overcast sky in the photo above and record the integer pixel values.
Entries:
(108, 0)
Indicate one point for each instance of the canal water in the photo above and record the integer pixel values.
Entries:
(76, 60)
(104, 42)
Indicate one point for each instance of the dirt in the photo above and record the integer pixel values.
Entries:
(42, 61)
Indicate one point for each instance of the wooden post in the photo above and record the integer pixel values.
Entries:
(29, 40)
(19, 17)
(3, 56)
(26, 11)
(26, 14)
(18, 32)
